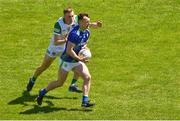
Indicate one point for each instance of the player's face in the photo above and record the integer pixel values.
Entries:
(85, 23)
(69, 17)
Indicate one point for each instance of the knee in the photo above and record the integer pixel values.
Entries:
(87, 77)
(59, 83)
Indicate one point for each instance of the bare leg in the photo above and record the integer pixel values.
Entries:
(47, 61)
(62, 75)
(45, 64)
(83, 71)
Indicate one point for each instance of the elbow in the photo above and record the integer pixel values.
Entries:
(55, 43)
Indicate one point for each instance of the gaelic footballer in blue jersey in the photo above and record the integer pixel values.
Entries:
(70, 60)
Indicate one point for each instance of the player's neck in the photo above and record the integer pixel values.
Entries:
(81, 29)
(66, 22)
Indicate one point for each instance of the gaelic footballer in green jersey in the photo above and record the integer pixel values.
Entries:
(57, 44)
(61, 29)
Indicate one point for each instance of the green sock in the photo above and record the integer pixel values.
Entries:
(73, 81)
(33, 79)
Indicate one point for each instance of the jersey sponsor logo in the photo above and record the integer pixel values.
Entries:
(84, 36)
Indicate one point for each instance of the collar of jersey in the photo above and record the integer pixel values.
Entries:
(81, 30)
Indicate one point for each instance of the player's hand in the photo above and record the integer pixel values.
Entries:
(99, 23)
(85, 47)
(65, 37)
(83, 59)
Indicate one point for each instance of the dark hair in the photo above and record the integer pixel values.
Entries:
(82, 15)
(67, 10)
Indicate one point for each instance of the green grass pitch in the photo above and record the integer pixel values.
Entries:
(135, 66)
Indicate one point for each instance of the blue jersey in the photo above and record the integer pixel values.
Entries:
(77, 37)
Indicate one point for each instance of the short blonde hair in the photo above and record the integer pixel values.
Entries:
(67, 10)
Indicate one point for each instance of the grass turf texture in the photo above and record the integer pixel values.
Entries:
(135, 65)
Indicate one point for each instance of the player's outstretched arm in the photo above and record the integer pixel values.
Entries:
(95, 25)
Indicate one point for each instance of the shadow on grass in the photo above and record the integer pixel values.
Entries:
(26, 97)
(48, 109)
